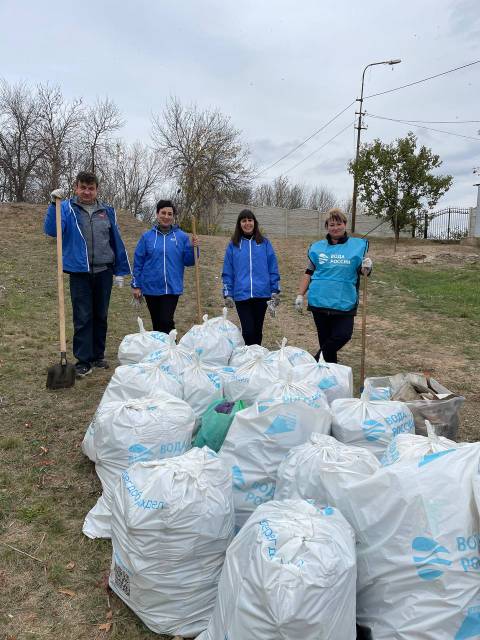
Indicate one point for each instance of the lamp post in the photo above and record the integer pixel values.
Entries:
(359, 129)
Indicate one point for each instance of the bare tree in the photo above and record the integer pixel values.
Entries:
(98, 125)
(21, 142)
(203, 154)
(322, 199)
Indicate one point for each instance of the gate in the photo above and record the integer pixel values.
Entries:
(446, 224)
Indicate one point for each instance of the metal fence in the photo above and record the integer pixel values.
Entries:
(447, 224)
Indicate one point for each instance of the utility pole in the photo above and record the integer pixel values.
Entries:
(359, 128)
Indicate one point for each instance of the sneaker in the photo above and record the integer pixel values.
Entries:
(82, 370)
(100, 364)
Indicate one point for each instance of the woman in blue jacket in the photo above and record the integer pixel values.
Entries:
(160, 260)
(250, 276)
(332, 279)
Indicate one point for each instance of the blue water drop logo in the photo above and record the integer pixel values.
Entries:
(238, 479)
(470, 626)
(138, 452)
(430, 457)
(282, 424)
(372, 430)
(430, 559)
(328, 383)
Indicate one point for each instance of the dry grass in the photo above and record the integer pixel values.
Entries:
(47, 485)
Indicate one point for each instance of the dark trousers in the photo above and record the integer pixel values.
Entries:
(252, 314)
(90, 295)
(334, 331)
(162, 310)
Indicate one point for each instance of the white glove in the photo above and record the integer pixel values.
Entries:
(119, 281)
(57, 193)
(229, 302)
(299, 303)
(276, 299)
(271, 307)
(367, 265)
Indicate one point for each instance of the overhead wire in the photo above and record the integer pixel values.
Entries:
(411, 84)
(408, 122)
(259, 173)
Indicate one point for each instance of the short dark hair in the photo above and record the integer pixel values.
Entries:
(237, 233)
(161, 204)
(87, 177)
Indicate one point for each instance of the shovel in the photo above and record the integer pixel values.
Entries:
(364, 331)
(62, 375)
(197, 274)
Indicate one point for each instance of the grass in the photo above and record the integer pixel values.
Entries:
(419, 317)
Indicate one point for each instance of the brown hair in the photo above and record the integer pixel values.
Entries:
(238, 233)
(337, 215)
(87, 177)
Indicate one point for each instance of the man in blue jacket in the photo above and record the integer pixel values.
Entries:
(93, 253)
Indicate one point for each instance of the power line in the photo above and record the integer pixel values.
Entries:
(448, 133)
(411, 84)
(319, 148)
(304, 141)
(438, 121)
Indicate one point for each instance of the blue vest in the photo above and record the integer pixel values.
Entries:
(334, 282)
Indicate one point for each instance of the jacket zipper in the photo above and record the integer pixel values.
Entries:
(251, 278)
(164, 264)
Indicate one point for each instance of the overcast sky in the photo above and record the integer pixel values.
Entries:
(278, 68)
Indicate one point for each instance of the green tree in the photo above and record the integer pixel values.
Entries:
(396, 181)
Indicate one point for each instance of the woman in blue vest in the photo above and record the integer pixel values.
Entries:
(332, 279)
(250, 276)
(160, 260)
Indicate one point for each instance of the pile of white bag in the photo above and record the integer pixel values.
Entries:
(135, 346)
(418, 544)
(125, 432)
(139, 380)
(370, 424)
(323, 470)
(214, 340)
(289, 573)
(249, 379)
(172, 521)
(256, 444)
(201, 386)
(290, 386)
(335, 380)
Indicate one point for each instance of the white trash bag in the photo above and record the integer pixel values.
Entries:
(248, 380)
(256, 444)
(213, 346)
(135, 346)
(129, 431)
(228, 328)
(289, 574)
(139, 380)
(171, 355)
(201, 386)
(246, 354)
(172, 522)
(370, 424)
(291, 387)
(418, 547)
(294, 355)
(335, 380)
(408, 446)
(322, 470)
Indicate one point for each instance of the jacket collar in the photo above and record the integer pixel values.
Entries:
(341, 240)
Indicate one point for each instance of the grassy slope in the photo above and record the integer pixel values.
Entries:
(419, 318)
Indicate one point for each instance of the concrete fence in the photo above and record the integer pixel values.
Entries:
(280, 222)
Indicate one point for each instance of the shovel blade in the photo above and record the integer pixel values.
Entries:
(61, 376)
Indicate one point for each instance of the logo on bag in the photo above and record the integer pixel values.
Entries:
(430, 457)
(428, 558)
(372, 430)
(238, 479)
(282, 424)
(470, 626)
(137, 453)
(328, 383)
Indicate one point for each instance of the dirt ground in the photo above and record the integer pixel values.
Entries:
(47, 485)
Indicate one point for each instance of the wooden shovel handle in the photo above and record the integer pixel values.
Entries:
(364, 329)
(61, 296)
(197, 273)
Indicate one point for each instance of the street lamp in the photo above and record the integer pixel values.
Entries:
(359, 129)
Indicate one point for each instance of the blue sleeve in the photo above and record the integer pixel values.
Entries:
(138, 262)
(188, 255)
(50, 223)
(122, 264)
(273, 269)
(227, 272)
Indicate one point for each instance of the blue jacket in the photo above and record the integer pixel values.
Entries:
(250, 270)
(160, 260)
(75, 252)
(334, 283)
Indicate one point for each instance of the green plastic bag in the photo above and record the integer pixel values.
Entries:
(216, 422)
